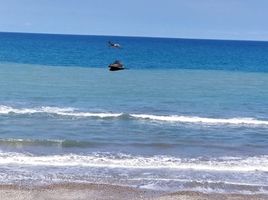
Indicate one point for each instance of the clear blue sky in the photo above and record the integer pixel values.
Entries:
(222, 19)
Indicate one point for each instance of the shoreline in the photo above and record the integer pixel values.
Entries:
(84, 191)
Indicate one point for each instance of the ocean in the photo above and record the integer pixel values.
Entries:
(186, 115)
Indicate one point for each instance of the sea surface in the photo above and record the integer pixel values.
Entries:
(186, 115)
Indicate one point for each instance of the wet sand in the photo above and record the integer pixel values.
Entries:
(105, 192)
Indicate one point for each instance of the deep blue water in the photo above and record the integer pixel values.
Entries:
(187, 115)
(136, 52)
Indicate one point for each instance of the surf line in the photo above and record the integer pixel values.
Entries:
(68, 111)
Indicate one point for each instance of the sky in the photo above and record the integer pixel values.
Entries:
(208, 19)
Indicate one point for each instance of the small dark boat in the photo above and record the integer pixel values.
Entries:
(114, 45)
(117, 65)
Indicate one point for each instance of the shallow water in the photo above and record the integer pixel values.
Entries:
(170, 129)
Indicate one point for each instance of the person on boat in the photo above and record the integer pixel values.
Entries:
(117, 62)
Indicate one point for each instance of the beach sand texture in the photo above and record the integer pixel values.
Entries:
(107, 192)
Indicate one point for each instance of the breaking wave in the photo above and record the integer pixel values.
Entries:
(71, 112)
(108, 160)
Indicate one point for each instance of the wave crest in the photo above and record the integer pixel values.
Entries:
(72, 112)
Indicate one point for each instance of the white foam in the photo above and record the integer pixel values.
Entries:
(45, 109)
(247, 164)
(55, 110)
(72, 112)
(194, 119)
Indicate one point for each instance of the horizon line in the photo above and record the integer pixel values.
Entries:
(134, 36)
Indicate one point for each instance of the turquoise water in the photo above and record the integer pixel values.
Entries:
(170, 128)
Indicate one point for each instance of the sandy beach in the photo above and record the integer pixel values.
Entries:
(105, 192)
(133, 100)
